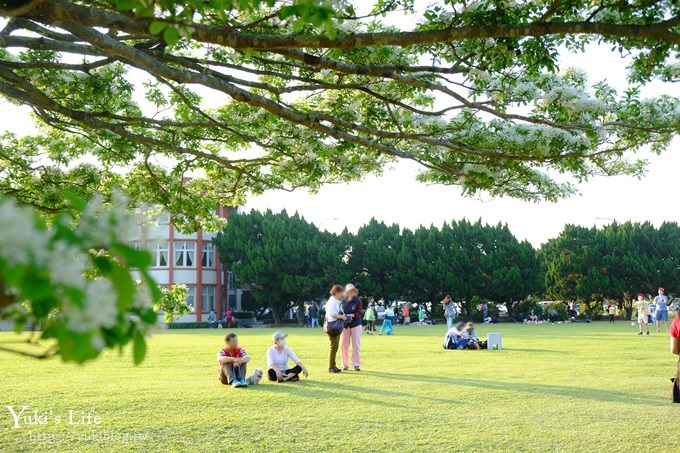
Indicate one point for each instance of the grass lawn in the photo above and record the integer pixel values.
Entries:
(566, 387)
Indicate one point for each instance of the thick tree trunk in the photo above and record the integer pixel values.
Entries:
(277, 314)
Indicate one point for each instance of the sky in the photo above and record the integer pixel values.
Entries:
(396, 197)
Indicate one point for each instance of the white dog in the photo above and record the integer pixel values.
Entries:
(256, 377)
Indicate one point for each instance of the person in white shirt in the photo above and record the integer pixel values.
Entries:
(332, 313)
(277, 361)
(454, 338)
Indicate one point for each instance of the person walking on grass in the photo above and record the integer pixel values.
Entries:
(661, 302)
(277, 361)
(642, 314)
(449, 312)
(334, 313)
(369, 317)
(232, 362)
(387, 327)
(611, 310)
(351, 307)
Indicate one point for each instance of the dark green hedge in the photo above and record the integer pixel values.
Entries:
(189, 325)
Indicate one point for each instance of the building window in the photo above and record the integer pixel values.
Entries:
(134, 245)
(162, 219)
(208, 256)
(208, 298)
(191, 297)
(185, 254)
(160, 252)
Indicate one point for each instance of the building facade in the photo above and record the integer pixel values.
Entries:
(190, 259)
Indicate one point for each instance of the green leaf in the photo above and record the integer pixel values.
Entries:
(171, 36)
(138, 347)
(132, 257)
(288, 11)
(157, 26)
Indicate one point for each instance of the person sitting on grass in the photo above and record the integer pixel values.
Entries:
(277, 361)
(232, 360)
(470, 336)
(454, 337)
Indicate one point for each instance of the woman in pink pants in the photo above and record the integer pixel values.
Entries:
(351, 306)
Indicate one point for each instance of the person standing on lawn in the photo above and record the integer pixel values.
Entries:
(277, 361)
(308, 319)
(675, 349)
(228, 316)
(232, 362)
(369, 317)
(421, 315)
(332, 313)
(449, 312)
(642, 315)
(314, 315)
(661, 302)
(406, 312)
(351, 307)
(611, 310)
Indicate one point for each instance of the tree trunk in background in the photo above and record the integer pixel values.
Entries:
(301, 313)
(277, 313)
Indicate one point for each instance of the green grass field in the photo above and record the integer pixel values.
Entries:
(566, 387)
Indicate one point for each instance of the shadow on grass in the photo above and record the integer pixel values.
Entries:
(540, 351)
(533, 388)
(324, 390)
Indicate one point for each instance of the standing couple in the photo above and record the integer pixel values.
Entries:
(343, 322)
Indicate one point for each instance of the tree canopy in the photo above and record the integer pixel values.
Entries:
(286, 261)
(616, 262)
(283, 260)
(258, 94)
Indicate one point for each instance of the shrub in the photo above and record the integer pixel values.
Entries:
(243, 315)
(189, 325)
(559, 307)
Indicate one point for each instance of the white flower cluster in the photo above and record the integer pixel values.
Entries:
(101, 223)
(40, 249)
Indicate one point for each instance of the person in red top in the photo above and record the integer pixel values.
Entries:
(675, 349)
(232, 361)
(406, 312)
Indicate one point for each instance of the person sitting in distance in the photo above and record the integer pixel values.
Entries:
(470, 337)
(277, 361)
(454, 337)
(232, 361)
